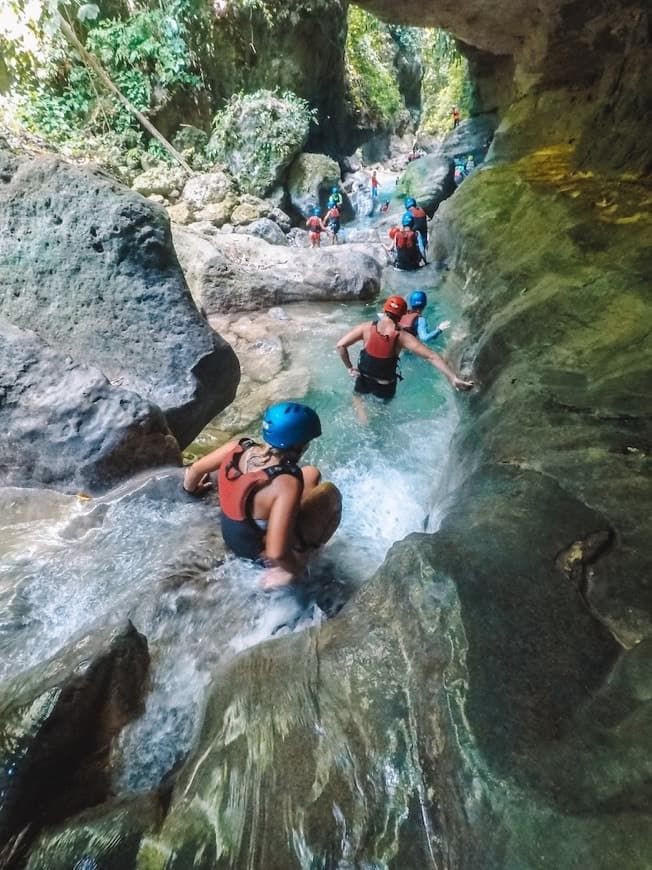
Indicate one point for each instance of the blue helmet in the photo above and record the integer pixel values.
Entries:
(331, 203)
(335, 190)
(418, 299)
(316, 211)
(289, 424)
(407, 220)
(410, 202)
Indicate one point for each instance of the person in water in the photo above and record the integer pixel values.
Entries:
(382, 342)
(405, 247)
(420, 224)
(336, 196)
(374, 184)
(272, 511)
(315, 228)
(385, 206)
(415, 323)
(332, 220)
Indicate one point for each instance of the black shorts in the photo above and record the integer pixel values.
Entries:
(369, 385)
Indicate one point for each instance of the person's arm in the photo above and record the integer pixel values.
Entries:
(342, 346)
(282, 566)
(195, 479)
(422, 330)
(411, 343)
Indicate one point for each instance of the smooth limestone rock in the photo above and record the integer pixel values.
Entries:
(66, 426)
(239, 272)
(430, 180)
(311, 178)
(268, 230)
(89, 266)
(57, 725)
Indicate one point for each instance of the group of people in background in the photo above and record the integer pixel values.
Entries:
(331, 222)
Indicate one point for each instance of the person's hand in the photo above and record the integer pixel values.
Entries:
(444, 325)
(462, 385)
(353, 372)
(275, 578)
(202, 487)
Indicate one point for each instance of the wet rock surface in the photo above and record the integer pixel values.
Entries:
(66, 426)
(429, 180)
(57, 725)
(89, 266)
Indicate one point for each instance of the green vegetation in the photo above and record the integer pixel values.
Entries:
(57, 96)
(154, 54)
(446, 82)
(258, 135)
(371, 75)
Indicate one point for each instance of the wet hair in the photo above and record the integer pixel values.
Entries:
(258, 458)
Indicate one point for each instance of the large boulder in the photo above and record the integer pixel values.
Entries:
(268, 230)
(65, 425)
(89, 266)
(430, 180)
(310, 181)
(206, 187)
(160, 180)
(240, 272)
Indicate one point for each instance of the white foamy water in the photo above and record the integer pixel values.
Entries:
(143, 551)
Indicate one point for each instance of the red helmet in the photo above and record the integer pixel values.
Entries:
(395, 306)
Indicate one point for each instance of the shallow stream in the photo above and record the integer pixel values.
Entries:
(146, 552)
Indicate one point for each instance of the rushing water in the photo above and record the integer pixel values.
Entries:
(146, 552)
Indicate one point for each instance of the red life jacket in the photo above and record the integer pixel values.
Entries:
(379, 356)
(236, 487)
(408, 322)
(382, 346)
(314, 224)
(405, 239)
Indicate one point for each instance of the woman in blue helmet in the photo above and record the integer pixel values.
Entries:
(415, 323)
(273, 511)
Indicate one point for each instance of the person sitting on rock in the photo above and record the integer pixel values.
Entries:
(272, 511)
(315, 228)
(332, 220)
(382, 342)
(405, 248)
(415, 323)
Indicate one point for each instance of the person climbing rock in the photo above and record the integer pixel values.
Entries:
(405, 247)
(315, 228)
(332, 220)
(272, 511)
(456, 116)
(336, 196)
(420, 220)
(469, 164)
(415, 323)
(382, 342)
(374, 184)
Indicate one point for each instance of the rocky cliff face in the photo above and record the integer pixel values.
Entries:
(571, 72)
